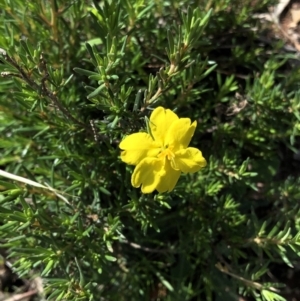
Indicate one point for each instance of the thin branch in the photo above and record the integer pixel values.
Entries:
(44, 90)
(225, 269)
(20, 297)
(146, 249)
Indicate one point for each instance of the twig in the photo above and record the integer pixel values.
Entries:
(22, 296)
(35, 86)
(43, 89)
(146, 249)
(225, 268)
(51, 95)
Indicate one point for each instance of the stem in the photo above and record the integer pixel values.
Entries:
(250, 283)
(156, 95)
(253, 284)
(54, 19)
(44, 90)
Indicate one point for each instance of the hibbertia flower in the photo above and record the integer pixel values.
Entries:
(163, 153)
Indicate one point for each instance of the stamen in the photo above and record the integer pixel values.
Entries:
(167, 152)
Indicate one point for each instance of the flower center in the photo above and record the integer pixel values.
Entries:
(166, 151)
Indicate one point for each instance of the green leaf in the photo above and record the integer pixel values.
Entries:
(110, 258)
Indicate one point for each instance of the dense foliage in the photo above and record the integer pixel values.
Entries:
(77, 76)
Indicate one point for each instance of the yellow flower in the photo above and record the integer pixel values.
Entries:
(163, 154)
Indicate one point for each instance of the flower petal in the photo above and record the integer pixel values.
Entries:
(188, 160)
(169, 179)
(148, 173)
(138, 146)
(160, 121)
(180, 133)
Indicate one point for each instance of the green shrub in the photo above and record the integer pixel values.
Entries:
(77, 77)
